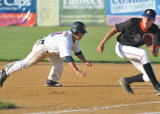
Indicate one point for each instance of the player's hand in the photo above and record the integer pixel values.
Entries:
(150, 47)
(90, 64)
(100, 48)
(80, 73)
(154, 53)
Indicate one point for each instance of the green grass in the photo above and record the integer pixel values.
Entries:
(6, 105)
(16, 43)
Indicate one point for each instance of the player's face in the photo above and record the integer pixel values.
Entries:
(79, 36)
(147, 22)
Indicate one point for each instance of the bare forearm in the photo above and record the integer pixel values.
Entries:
(82, 58)
(109, 35)
(73, 66)
(155, 54)
(106, 38)
(77, 71)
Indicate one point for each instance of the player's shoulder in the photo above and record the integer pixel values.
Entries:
(154, 29)
(131, 21)
(135, 20)
(66, 33)
(60, 34)
(155, 26)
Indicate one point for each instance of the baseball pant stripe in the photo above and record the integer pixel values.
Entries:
(131, 54)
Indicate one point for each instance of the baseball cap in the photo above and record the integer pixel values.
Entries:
(150, 13)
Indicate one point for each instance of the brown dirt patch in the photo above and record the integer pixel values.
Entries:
(99, 88)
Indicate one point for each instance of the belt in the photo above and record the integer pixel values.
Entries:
(42, 42)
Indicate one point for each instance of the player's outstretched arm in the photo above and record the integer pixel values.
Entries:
(106, 38)
(82, 58)
(77, 71)
(72, 64)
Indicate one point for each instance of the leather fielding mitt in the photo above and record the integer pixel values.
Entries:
(151, 41)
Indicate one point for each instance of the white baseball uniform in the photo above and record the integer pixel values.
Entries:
(136, 55)
(54, 47)
(129, 43)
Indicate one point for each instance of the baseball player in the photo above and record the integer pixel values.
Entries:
(128, 46)
(55, 47)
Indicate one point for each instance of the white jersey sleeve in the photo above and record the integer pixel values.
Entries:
(65, 47)
(75, 46)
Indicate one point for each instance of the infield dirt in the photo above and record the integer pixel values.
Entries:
(99, 88)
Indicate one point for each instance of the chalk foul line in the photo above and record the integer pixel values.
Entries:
(97, 108)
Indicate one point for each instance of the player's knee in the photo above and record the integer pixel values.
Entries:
(144, 57)
(26, 65)
(143, 53)
(58, 68)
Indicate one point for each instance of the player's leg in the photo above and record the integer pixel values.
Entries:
(140, 67)
(137, 54)
(56, 71)
(126, 81)
(37, 54)
(146, 68)
(126, 53)
(151, 75)
(144, 76)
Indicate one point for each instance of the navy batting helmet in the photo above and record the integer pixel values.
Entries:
(78, 27)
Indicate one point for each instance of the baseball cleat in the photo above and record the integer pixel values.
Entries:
(51, 83)
(126, 86)
(3, 77)
(157, 90)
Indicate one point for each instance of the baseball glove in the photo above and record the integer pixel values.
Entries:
(151, 41)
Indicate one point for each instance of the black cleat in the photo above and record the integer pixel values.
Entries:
(51, 83)
(126, 86)
(3, 77)
(157, 89)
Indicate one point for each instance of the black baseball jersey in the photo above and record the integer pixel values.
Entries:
(131, 32)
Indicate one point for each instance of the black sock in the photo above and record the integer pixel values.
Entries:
(136, 78)
(150, 73)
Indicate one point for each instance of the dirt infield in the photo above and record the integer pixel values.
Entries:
(97, 93)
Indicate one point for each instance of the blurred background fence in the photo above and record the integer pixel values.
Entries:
(64, 12)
